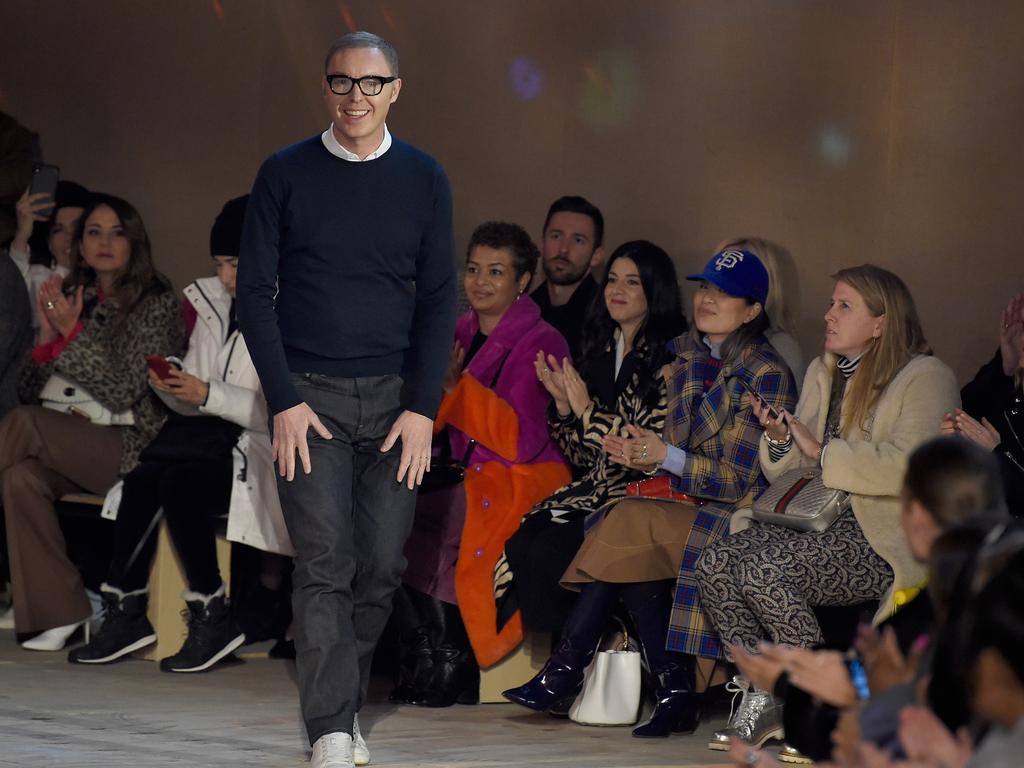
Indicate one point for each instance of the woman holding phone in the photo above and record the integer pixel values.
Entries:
(868, 401)
(41, 247)
(95, 328)
(212, 456)
(641, 551)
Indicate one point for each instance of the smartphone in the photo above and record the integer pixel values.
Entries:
(771, 411)
(161, 366)
(44, 179)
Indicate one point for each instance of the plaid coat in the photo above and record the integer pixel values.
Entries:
(720, 435)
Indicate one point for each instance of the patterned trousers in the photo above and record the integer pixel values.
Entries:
(762, 582)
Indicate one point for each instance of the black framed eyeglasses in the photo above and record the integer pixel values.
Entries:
(370, 85)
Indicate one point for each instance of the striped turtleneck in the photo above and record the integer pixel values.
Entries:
(847, 367)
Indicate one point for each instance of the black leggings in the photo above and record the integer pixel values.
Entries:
(192, 495)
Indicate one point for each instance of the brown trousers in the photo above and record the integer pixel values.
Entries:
(44, 455)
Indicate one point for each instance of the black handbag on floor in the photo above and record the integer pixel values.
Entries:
(192, 438)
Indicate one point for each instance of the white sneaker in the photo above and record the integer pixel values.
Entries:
(53, 639)
(332, 750)
(360, 752)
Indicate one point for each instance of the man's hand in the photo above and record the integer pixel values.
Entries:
(416, 432)
(290, 428)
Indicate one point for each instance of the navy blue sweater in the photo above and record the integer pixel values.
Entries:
(347, 269)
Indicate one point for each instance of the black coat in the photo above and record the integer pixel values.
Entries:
(995, 396)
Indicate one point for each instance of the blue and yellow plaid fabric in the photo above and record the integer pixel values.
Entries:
(720, 435)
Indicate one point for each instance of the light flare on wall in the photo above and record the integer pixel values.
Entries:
(527, 78)
(834, 147)
(609, 89)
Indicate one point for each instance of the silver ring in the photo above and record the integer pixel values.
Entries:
(50, 305)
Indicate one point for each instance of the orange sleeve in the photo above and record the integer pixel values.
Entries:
(480, 413)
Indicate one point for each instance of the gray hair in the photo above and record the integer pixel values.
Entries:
(364, 40)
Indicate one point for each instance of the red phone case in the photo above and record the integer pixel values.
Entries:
(159, 365)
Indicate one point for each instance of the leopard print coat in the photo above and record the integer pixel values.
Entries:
(108, 359)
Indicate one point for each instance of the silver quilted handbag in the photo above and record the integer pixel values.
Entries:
(800, 500)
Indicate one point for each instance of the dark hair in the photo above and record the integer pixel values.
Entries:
(69, 194)
(747, 333)
(512, 237)
(665, 318)
(363, 40)
(576, 204)
(995, 617)
(140, 278)
(954, 480)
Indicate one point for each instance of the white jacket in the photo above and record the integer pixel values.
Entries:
(254, 517)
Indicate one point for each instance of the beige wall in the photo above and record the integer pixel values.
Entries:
(847, 130)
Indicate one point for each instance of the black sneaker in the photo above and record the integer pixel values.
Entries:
(125, 629)
(213, 634)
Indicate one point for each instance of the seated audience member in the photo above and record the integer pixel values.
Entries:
(95, 330)
(776, 260)
(618, 381)
(15, 332)
(874, 395)
(210, 458)
(638, 547)
(19, 148)
(952, 496)
(57, 218)
(993, 415)
(571, 247)
(495, 414)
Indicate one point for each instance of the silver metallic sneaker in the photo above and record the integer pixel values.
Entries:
(756, 720)
(789, 755)
(360, 752)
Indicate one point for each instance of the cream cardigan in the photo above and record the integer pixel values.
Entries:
(870, 464)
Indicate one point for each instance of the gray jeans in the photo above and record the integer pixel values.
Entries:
(348, 520)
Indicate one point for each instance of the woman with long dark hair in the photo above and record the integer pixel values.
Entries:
(705, 466)
(634, 316)
(88, 370)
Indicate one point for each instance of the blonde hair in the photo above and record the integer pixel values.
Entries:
(902, 338)
(771, 255)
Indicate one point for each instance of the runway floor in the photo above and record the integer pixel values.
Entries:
(130, 714)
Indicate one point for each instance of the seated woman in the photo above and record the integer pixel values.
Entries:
(95, 330)
(638, 548)
(992, 416)
(872, 397)
(494, 409)
(41, 247)
(618, 382)
(211, 458)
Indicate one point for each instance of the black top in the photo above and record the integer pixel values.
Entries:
(568, 318)
(994, 395)
(347, 269)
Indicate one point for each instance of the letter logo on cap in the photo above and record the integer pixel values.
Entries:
(728, 260)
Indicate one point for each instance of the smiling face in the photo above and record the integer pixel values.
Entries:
(105, 246)
(568, 248)
(358, 120)
(62, 233)
(717, 313)
(849, 324)
(490, 281)
(624, 293)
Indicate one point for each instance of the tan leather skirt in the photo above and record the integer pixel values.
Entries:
(637, 540)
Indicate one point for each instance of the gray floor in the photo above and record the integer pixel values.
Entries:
(129, 714)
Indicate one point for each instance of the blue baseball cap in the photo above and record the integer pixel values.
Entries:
(738, 273)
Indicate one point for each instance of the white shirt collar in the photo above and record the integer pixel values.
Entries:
(334, 146)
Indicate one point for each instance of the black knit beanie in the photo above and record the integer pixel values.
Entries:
(226, 235)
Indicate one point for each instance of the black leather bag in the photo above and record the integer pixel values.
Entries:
(192, 438)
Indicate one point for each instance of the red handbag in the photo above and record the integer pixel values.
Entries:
(659, 487)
